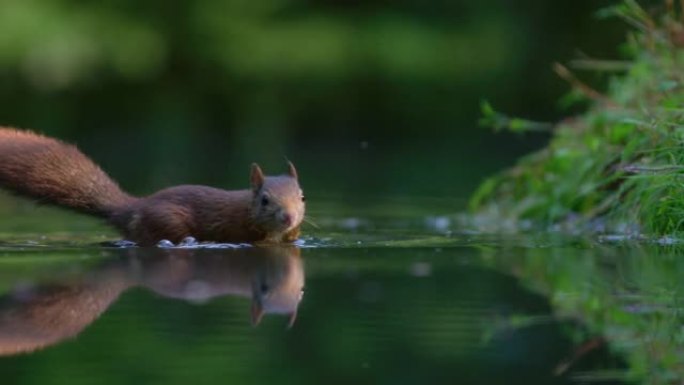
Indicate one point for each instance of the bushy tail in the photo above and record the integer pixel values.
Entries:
(54, 172)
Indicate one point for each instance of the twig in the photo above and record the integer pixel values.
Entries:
(636, 169)
(581, 351)
(601, 65)
(577, 84)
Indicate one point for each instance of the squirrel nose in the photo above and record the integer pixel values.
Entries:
(287, 219)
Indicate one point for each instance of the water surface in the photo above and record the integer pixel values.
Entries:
(391, 299)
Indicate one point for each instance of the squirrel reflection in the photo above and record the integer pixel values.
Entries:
(35, 317)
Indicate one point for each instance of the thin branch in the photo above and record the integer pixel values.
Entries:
(601, 65)
(578, 85)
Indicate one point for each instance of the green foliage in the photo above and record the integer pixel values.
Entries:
(192, 91)
(622, 161)
(56, 44)
(499, 122)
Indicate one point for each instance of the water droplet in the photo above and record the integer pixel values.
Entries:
(164, 243)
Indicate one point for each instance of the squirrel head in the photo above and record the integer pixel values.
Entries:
(277, 202)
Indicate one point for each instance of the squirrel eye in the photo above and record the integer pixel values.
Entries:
(264, 201)
(303, 198)
(264, 288)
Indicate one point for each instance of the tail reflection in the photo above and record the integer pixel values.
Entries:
(37, 316)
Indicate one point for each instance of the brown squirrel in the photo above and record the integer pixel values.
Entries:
(55, 172)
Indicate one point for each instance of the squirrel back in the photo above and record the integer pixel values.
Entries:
(55, 172)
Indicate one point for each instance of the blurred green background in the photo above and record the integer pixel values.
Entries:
(368, 98)
(371, 99)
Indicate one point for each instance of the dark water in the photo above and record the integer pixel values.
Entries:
(450, 309)
(396, 296)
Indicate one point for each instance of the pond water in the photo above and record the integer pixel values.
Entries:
(384, 299)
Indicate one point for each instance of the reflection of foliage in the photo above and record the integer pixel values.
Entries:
(631, 295)
(622, 160)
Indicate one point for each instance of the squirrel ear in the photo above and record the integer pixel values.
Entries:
(256, 178)
(291, 170)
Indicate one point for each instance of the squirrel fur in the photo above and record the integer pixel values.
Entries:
(53, 172)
